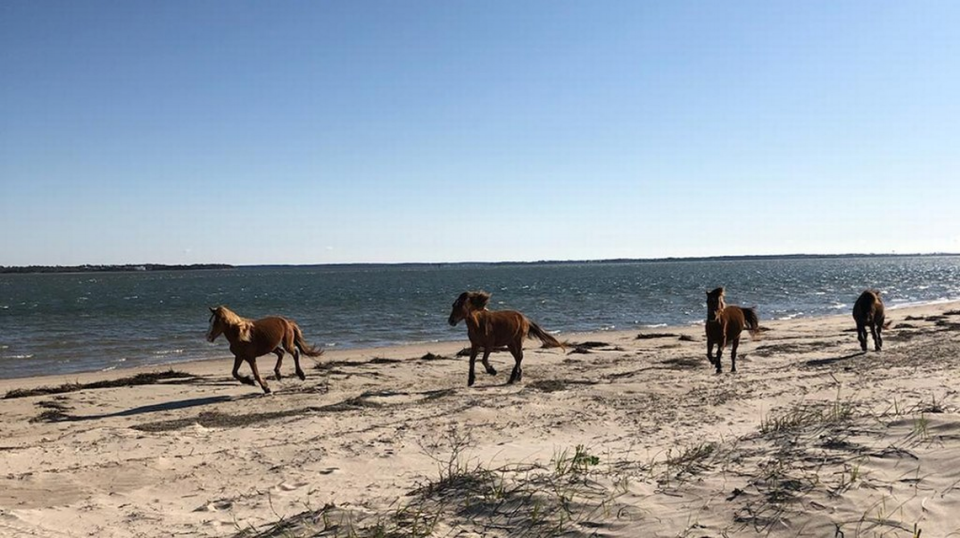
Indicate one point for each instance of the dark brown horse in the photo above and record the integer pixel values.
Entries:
(250, 339)
(868, 312)
(725, 323)
(490, 330)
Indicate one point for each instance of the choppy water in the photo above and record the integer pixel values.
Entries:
(59, 323)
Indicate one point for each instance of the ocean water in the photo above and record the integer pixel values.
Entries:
(62, 323)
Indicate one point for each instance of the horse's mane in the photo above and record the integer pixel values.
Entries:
(716, 292)
(231, 319)
(479, 299)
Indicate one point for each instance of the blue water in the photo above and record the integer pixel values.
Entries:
(61, 323)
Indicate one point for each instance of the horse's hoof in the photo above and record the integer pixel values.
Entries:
(266, 390)
(301, 375)
(492, 371)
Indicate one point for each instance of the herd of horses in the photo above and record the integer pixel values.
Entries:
(492, 330)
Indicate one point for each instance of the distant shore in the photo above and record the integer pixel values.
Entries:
(123, 268)
(93, 268)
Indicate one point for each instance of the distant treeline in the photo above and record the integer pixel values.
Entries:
(111, 268)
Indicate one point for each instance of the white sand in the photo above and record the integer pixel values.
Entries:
(810, 436)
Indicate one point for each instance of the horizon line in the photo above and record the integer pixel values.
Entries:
(726, 257)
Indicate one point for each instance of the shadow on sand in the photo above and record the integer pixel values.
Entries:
(166, 406)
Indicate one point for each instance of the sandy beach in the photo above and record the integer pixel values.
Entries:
(623, 434)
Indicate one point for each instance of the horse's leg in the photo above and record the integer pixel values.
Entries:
(862, 335)
(256, 375)
(486, 362)
(875, 331)
(517, 373)
(245, 379)
(296, 363)
(720, 345)
(472, 377)
(710, 350)
(733, 354)
(276, 369)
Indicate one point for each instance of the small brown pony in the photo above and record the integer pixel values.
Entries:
(250, 339)
(868, 312)
(725, 323)
(490, 330)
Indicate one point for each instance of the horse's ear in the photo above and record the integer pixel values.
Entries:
(212, 310)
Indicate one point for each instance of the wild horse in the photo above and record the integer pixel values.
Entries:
(725, 323)
(250, 339)
(489, 330)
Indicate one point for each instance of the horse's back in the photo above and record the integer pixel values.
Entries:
(269, 331)
(504, 327)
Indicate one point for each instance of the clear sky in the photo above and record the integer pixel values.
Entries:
(354, 131)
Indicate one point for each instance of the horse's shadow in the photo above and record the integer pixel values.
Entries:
(833, 360)
(153, 408)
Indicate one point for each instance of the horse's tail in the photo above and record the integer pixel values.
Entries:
(304, 348)
(546, 338)
(753, 322)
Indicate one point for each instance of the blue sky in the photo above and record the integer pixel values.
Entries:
(323, 132)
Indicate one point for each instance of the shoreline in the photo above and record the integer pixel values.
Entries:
(223, 363)
(205, 366)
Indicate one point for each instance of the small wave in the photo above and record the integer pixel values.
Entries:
(653, 325)
(838, 306)
(168, 352)
(131, 297)
(28, 356)
(790, 316)
(908, 304)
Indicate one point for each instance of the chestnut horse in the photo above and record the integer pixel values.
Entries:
(868, 312)
(725, 323)
(490, 330)
(250, 339)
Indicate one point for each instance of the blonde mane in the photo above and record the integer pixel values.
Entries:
(231, 319)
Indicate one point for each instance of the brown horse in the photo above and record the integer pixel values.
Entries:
(250, 339)
(868, 312)
(490, 330)
(725, 323)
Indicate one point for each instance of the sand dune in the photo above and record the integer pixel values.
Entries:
(624, 437)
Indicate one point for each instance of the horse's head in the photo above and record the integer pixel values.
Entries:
(715, 304)
(466, 303)
(217, 324)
